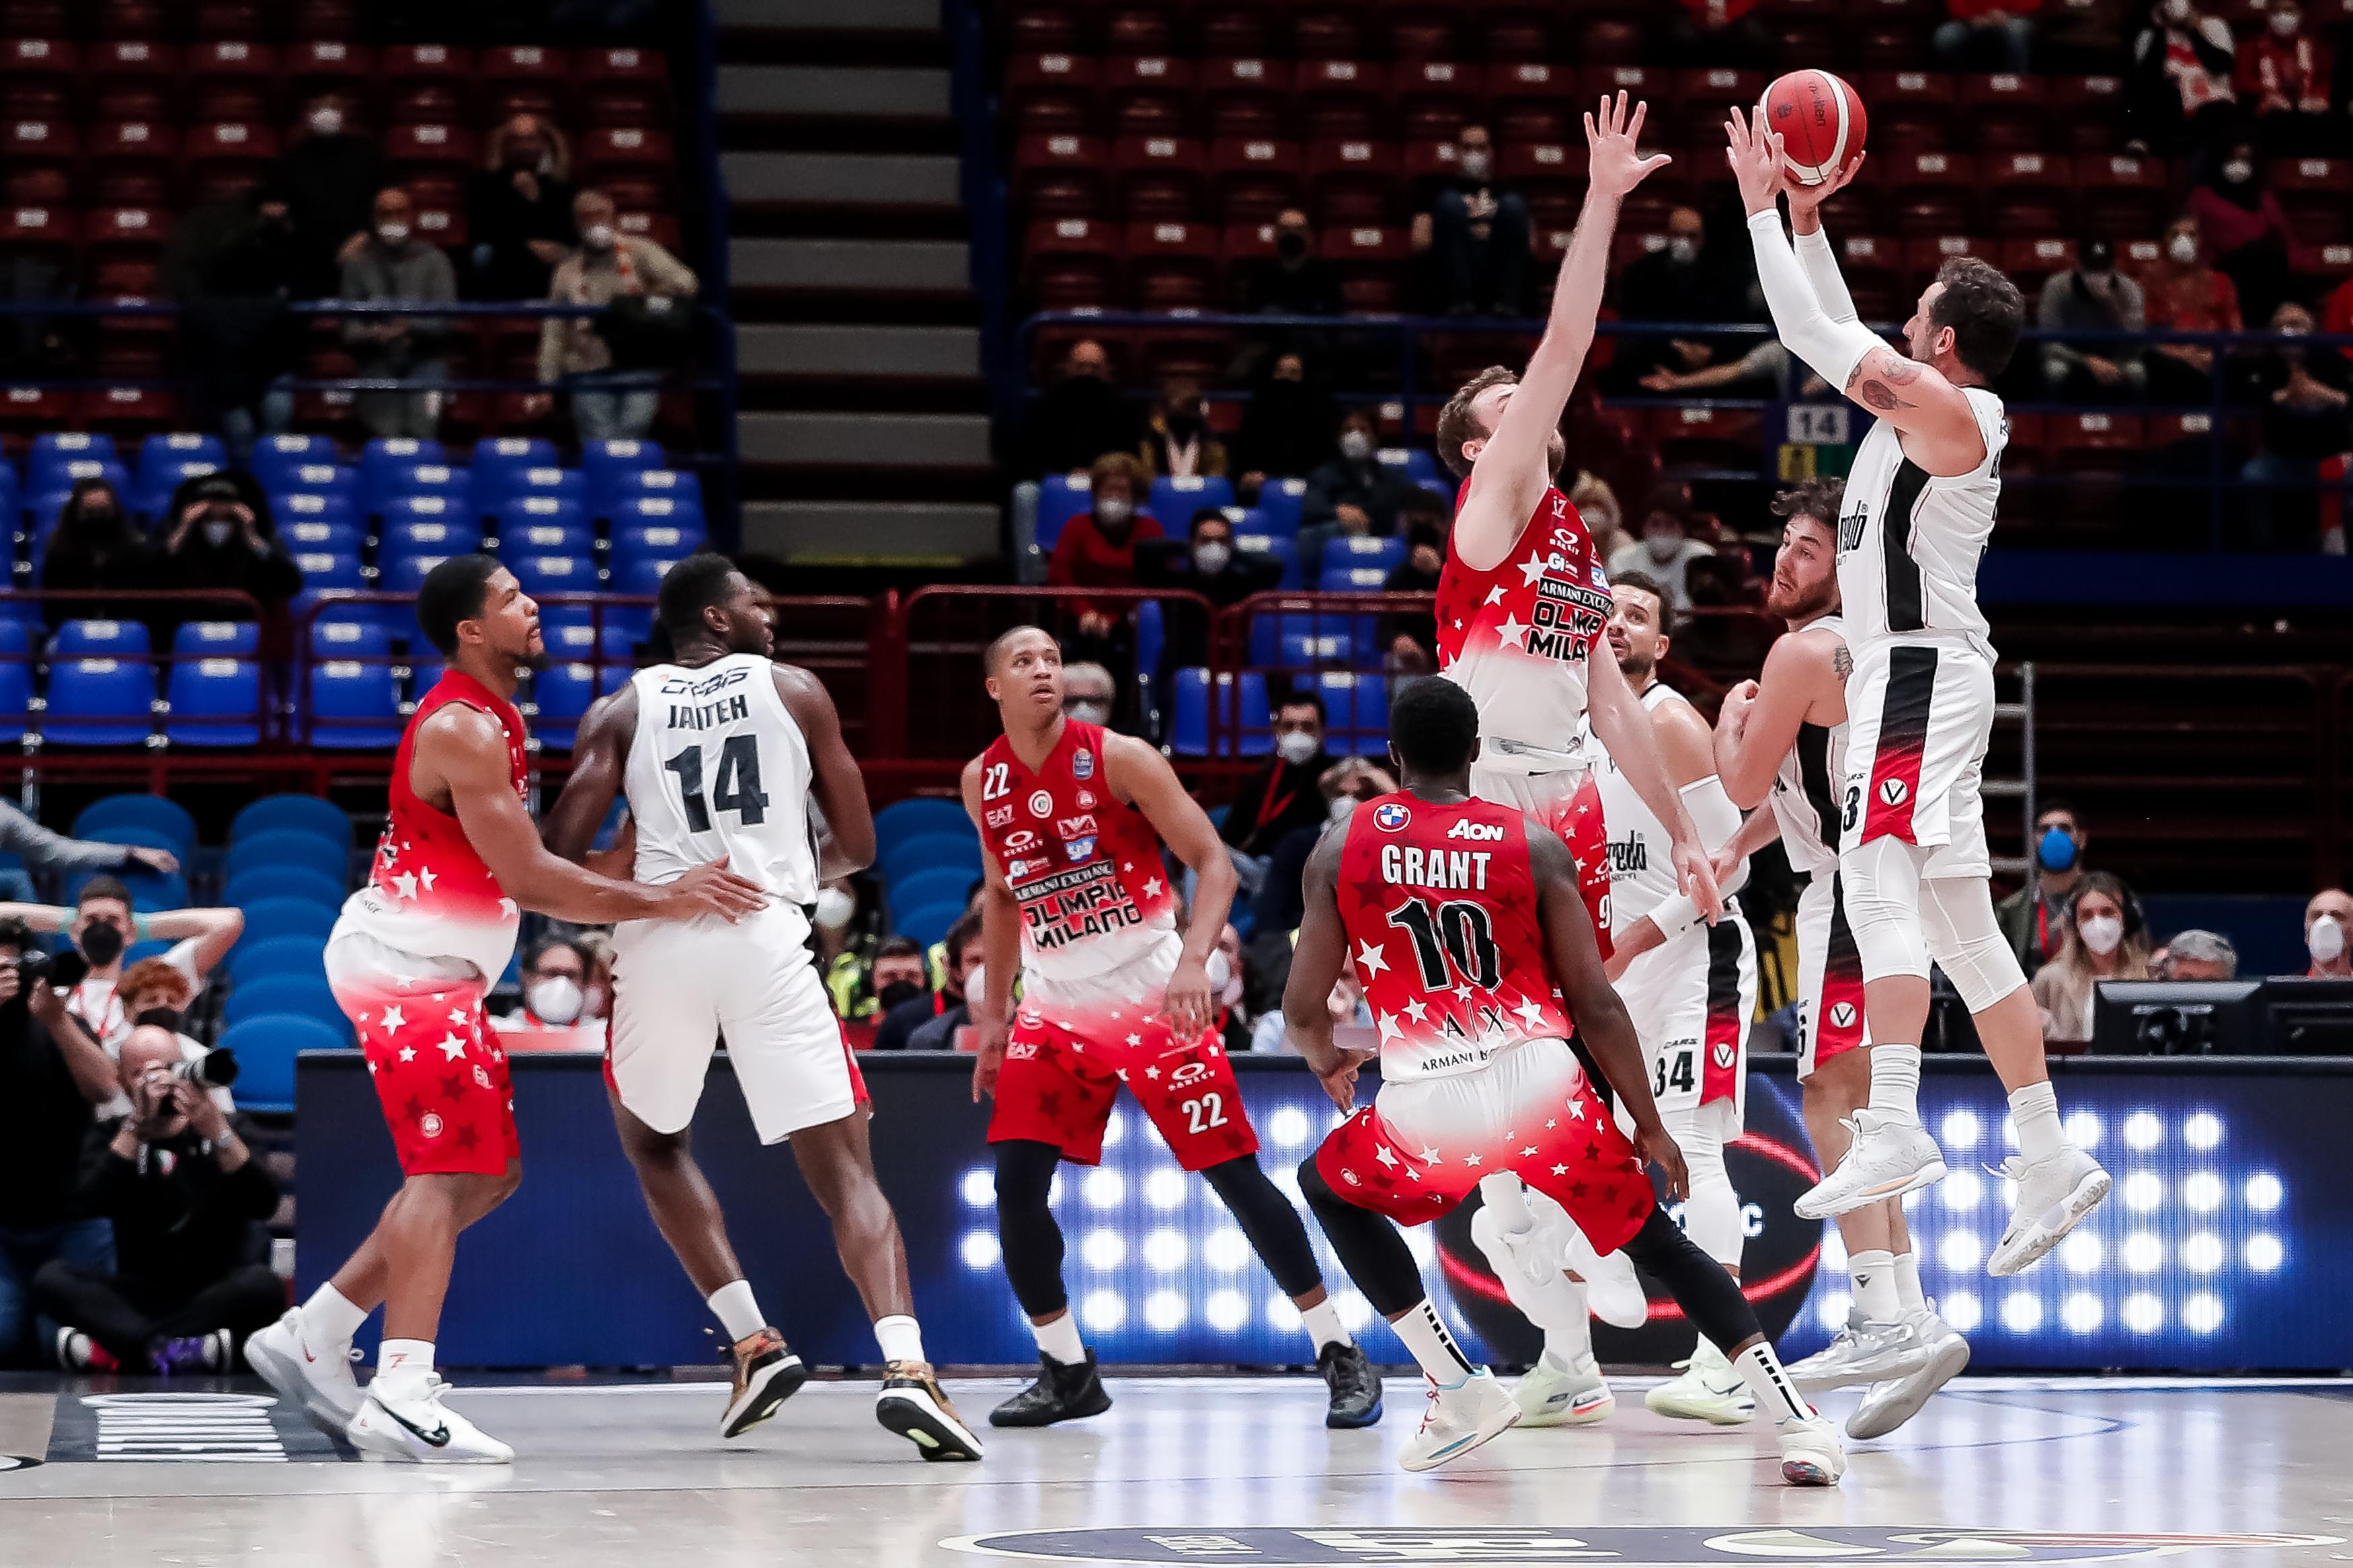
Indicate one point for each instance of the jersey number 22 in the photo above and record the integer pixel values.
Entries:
(736, 787)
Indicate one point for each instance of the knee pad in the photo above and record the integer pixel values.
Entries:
(1957, 921)
(1712, 1213)
(1530, 1272)
(1880, 880)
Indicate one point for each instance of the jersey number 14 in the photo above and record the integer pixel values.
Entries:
(736, 788)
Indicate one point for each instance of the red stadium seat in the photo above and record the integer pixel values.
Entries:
(1550, 175)
(1149, 95)
(2088, 112)
(117, 18)
(326, 19)
(1059, 176)
(1051, 92)
(532, 63)
(2163, 430)
(1238, 245)
(1162, 178)
(608, 67)
(440, 214)
(2030, 261)
(1372, 259)
(2005, 113)
(1653, 84)
(1333, 32)
(1708, 438)
(1253, 178)
(1706, 94)
(2121, 197)
(36, 408)
(51, 59)
(1428, 158)
(410, 148)
(140, 61)
(1513, 33)
(1910, 110)
(1339, 100)
(2325, 265)
(1923, 254)
(406, 67)
(1049, 27)
(658, 226)
(2315, 194)
(231, 78)
(228, 19)
(2093, 443)
(1172, 266)
(125, 411)
(1244, 30)
(1246, 94)
(1434, 98)
(1352, 182)
(1071, 263)
(1532, 102)
(1872, 266)
(1135, 28)
(624, 149)
(1419, 30)
(50, 144)
(37, 225)
(316, 65)
(2033, 192)
(222, 148)
(1933, 192)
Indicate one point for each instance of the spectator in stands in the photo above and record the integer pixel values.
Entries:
(1097, 548)
(1081, 416)
(965, 952)
(41, 850)
(1666, 548)
(2180, 91)
(616, 401)
(2196, 956)
(1665, 285)
(1986, 35)
(896, 977)
(218, 534)
(1286, 430)
(1754, 374)
(1413, 636)
(1348, 1010)
(2103, 937)
(1725, 33)
(519, 211)
(1177, 441)
(2092, 296)
(2283, 80)
(1355, 492)
(96, 547)
(2328, 932)
(1596, 503)
(904, 1011)
(103, 924)
(238, 342)
(1281, 798)
(187, 1198)
(2240, 220)
(1090, 693)
(392, 266)
(328, 178)
(1206, 562)
(1295, 280)
(51, 1075)
(1478, 233)
(2034, 919)
(2302, 397)
(555, 987)
(2186, 295)
(1230, 992)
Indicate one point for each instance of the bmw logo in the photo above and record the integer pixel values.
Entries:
(1390, 815)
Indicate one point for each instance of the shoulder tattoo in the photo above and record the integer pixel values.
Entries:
(1841, 663)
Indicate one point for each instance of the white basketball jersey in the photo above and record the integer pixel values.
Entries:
(1805, 797)
(718, 768)
(1642, 855)
(1909, 544)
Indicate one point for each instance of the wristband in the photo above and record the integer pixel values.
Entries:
(138, 926)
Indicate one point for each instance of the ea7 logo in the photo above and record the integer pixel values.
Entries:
(1020, 1050)
(1189, 1073)
(1842, 1014)
(998, 816)
(1485, 832)
(1893, 791)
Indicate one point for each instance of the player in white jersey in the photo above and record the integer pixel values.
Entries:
(1781, 741)
(1919, 509)
(720, 752)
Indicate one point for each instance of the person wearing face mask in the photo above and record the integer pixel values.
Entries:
(1286, 427)
(1178, 442)
(2302, 394)
(2104, 937)
(1097, 548)
(218, 534)
(1666, 548)
(2240, 220)
(911, 1010)
(1280, 798)
(2092, 296)
(555, 991)
(1476, 232)
(2178, 88)
(608, 403)
(1354, 493)
(393, 265)
(897, 976)
(328, 175)
(2186, 295)
(1090, 693)
(1207, 561)
(2034, 920)
(1666, 284)
(2328, 934)
(102, 925)
(1080, 416)
(519, 210)
(2284, 78)
(96, 547)
(1295, 280)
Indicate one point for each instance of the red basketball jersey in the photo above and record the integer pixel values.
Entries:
(1084, 865)
(1439, 903)
(1516, 637)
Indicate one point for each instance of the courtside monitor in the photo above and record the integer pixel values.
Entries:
(2179, 1018)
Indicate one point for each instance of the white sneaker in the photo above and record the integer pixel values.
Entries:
(1611, 1288)
(1863, 1352)
(319, 1381)
(1459, 1419)
(2053, 1194)
(1811, 1453)
(418, 1428)
(1887, 1405)
(1709, 1390)
(1890, 1156)
(1551, 1395)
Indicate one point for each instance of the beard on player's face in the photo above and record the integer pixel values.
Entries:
(1794, 599)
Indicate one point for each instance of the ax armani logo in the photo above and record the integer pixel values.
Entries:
(1652, 1547)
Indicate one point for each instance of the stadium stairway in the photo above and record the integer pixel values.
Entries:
(864, 434)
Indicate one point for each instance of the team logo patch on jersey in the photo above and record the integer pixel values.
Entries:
(998, 816)
(1086, 800)
(1042, 803)
(1842, 1014)
(1019, 839)
(1082, 764)
(1015, 869)
(1072, 826)
(1892, 791)
(430, 1124)
(1390, 815)
(1080, 849)
(1723, 1055)
(1600, 578)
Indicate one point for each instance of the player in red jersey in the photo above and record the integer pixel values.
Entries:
(410, 961)
(1462, 921)
(1079, 904)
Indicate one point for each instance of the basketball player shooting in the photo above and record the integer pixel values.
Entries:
(1913, 864)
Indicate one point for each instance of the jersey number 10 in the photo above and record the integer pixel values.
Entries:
(1458, 930)
(737, 788)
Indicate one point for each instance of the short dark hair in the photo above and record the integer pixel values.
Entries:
(1456, 424)
(2057, 803)
(1643, 583)
(1820, 498)
(1434, 725)
(536, 953)
(690, 587)
(103, 886)
(1208, 514)
(453, 592)
(961, 934)
(899, 947)
(15, 936)
(1985, 311)
(1304, 696)
(995, 656)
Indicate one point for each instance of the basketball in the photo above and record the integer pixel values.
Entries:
(1820, 120)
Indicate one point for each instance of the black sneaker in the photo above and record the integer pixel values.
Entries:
(1356, 1387)
(1060, 1393)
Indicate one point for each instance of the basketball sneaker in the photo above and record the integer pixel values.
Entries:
(1863, 1352)
(1811, 1453)
(1709, 1390)
(319, 1382)
(1355, 1388)
(1551, 1395)
(766, 1374)
(1611, 1288)
(2053, 1196)
(1890, 1156)
(192, 1353)
(912, 1405)
(1887, 1405)
(77, 1351)
(412, 1425)
(1062, 1393)
(1458, 1419)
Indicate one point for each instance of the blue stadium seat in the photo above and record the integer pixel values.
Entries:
(929, 924)
(1418, 463)
(54, 448)
(16, 680)
(41, 509)
(1356, 708)
(181, 446)
(292, 813)
(425, 674)
(1189, 723)
(217, 639)
(62, 477)
(415, 480)
(560, 694)
(304, 995)
(1250, 714)
(326, 569)
(1352, 579)
(1297, 648)
(353, 705)
(439, 538)
(109, 640)
(99, 703)
(293, 449)
(670, 542)
(339, 538)
(1151, 637)
(403, 573)
(306, 477)
(292, 508)
(334, 636)
(543, 574)
(277, 955)
(925, 852)
(305, 848)
(153, 813)
(266, 1047)
(544, 481)
(617, 644)
(641, 575)
(1174, 501)
(919, 814)
(675, 483)
(430, 507)
(151, 498)
(611, 678)
(570, 641)
(1061, 497)
(654, 511)
(1278, 548)
(518, 539)
(1367, 550)
(1279, 503)
(607, 462)
(281, 881)
(496, 461)
(519, 512)
(943, 885)
(384, 454)
(214, 703)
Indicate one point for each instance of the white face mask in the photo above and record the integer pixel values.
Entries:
(834, 908)
(216, 533)
(1114, 509)
(1683, 250)
(2238, 171)
(1663, 547)
(597, 237)
(556, 1000)
(2326, 939)
(326, 121)
(1355, 446)
(1343, 807)
(1087, 712)
(975, 984)
(1297, 746)
(1225, 980)
(2177, 10)
(2182, 249)
(1474, 165)
(1212, 558)
(392, 233)
(2284, 23)
(2101, 933)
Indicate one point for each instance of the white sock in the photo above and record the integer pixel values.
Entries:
(329, 1318)
(901, 1338)
(1907, 1282)
(1760, 1369)
(1895, 1082)
(1425, 1334)
(2036, 1109)
(1323, 1326)
(738, 1314)
(1875, 1290)
(403, 1365)
(1569, 1343)
(1060, 1340)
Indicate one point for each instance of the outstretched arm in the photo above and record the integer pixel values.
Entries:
(1316, 962)
(1515, 469)
(1142, 777)
(1623, 727)
(834, 779)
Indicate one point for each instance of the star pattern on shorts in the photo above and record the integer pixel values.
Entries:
(408, 1053)
(459, 1016)
(1370, 959)
(425, 877)
(1138, 1039)
(1152, 1073)
(1429, 1154)
(1384, 1156)
(1471, 1159)
(510, 909)
(405, 884)
(1530, 1011)
(1560, 1170)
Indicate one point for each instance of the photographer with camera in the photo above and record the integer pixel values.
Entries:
(52, 1073)
(188, 1200)
(102, 925)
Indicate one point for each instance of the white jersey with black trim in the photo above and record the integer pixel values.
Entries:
(1909, 543)
(1804, 798)
(719, 767)
(1642, 853)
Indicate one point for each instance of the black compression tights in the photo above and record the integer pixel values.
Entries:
(1275, 1230)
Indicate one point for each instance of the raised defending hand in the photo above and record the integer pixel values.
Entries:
(1612, 164)
(1754, 154)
